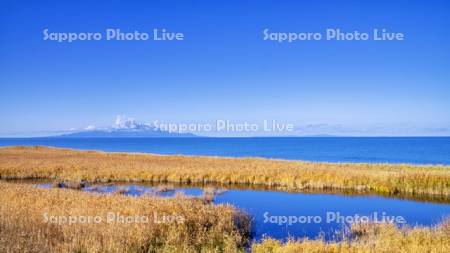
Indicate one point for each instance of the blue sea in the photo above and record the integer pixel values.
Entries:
(414, 150)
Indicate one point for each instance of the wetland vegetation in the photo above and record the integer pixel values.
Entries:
(34, 219)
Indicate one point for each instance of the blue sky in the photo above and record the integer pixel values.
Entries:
(223, 69)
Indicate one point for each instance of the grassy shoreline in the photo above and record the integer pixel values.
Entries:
(205, 228)
(31, 221)
(370, 238)
(93, 166)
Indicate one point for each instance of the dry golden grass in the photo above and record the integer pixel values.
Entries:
(66, 164)
(203, 228)
(206, 228)
(372, 238)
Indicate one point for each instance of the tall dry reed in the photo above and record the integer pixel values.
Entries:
(371, 238)
(66, 164)
(38, 220)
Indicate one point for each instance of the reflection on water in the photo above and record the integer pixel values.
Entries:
(282, 214)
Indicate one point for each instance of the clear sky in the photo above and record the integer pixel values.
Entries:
(223, 69)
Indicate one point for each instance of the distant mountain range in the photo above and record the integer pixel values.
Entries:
(125, 127)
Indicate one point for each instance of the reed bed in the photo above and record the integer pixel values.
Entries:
(25, 227)
(31, 221)
(370, 238)
(92, 166)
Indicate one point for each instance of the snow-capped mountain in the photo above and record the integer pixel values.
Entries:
(124, 123)
(126, 127)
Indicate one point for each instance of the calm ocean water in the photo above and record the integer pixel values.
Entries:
(417, 150)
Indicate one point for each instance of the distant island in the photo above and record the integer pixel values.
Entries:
(124, 127)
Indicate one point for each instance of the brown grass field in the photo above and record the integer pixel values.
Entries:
(205, 227)
(93, 166)
(26, 223)
(371, 238)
